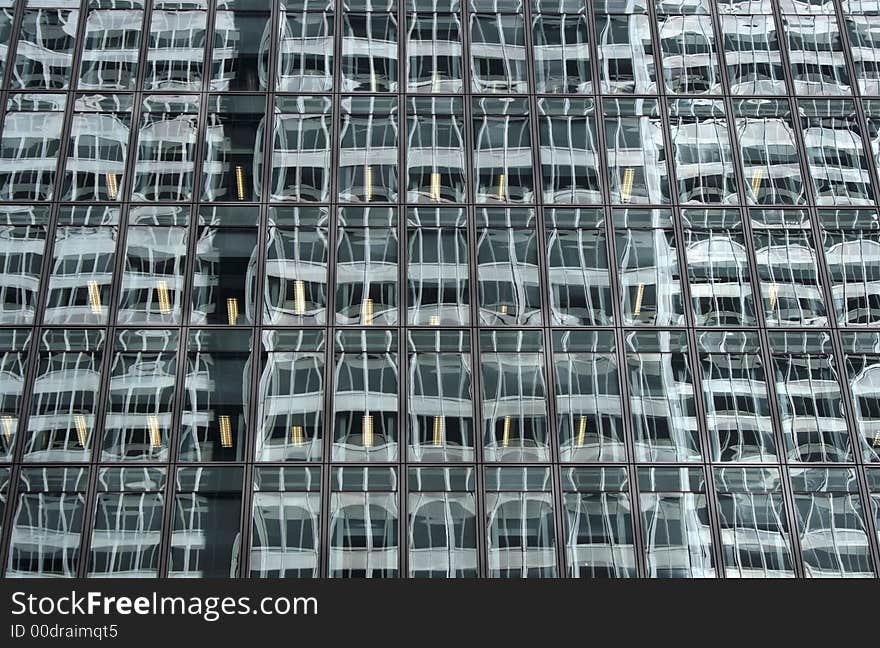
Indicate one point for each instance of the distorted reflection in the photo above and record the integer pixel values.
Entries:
(569, 151)
(128, 523)
(561, 45)
(637, 157)
(47, 523)
(286, 523)
(755, 534)
(14, 345)
(305, 56)
(675, 523)
(295, 285)
(176, 49)
(369, 51)
(45, 48)
(598, 523)
(751, 52)
(365, 423)
(23, 231)
(687, 44)
(647, 257)
(290, 408)
(440, 418)
(368, 159)
(507, 267)
(442, 528)
(519, 512)
(818, 65)
(435, 149)
(737, 404)
(364, 523)
(434, 62)
(862, 363)
(30, 146)
(137, 424)
(718, 268)
(502, 151)
(852, 250)
(498, 53)
(626, 54)
(588, 405)
(514, 403)
(111, 44)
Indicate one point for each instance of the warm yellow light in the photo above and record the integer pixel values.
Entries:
(757, 176)
(297, 437)
(367, 311)
(82, 432)
(95, 298)
(225, 432)
(8, 429)
(505, 439)
(640, 295)
(501, 182)
(299, 297)
(232, 310)
(629, 176)
(374, 82)
(774, 293)
(367, 431)
(876, 440)
(164, 298)
(504, 309)
(155, 432)
(239, 181)
(434, 321)
(435, 186)
(582, 431)
(368, 183)
(112, 187)
(438, 431)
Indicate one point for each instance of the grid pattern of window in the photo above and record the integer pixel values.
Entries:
(439, 288)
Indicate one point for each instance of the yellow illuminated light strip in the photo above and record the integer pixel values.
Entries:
(239, 181)
(368, 183)
(434, 321)
(81, 429)
(232, 310)
(582, 431)
(225, 432)
(155, 432)
(112, 187)
(505, 440)
(299, 297)
(501, 182)
(8, 429)
(95, 298)
(435, 186)
(367, 431)
(164, 300)
(504, 309)
(629, 175)
(438, 431)
(876, 440)
(297, 437)
(774, 293)
(640, 295)
(756, 181)
(367, 311)
(435, 82)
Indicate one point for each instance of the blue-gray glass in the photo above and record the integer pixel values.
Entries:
(176, 49)
(502, 159)
(507, 276)
(230, 162)
(438, 283)
(435, 155)
(21, 257)
(205, 526)
(140, 399)
(752, 55)
(285, 532)
(365, 403)
(30, 146)
(369, 52)
(440, 418)
(45, 48)
(562, 53)
(599, 535)
(863, 372)
(737, 408)
(82, 275)
(97, 152)
(650, 281)
(755, 536)
(13, 365)
(223, 281)
(822, 519)
(569, 153)
(854, 269)
(579, 279)
(675, 532)
(56, 520)
(442, 535)
(368, 159)
(305, 62)
(295, 283)
(864, 37)
(498, 53)
(111, 43)
(363, 535)
(811, 408)
(815, 51)
(240, 47)
(520, 537)
(366, 276)
(433, 51)
(153, 275)
(126, 535)
(166, 150)
(687, 46)
(300, 163)
(626, 54)
(637, 155)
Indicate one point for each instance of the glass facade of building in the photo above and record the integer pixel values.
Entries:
(439, 288)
